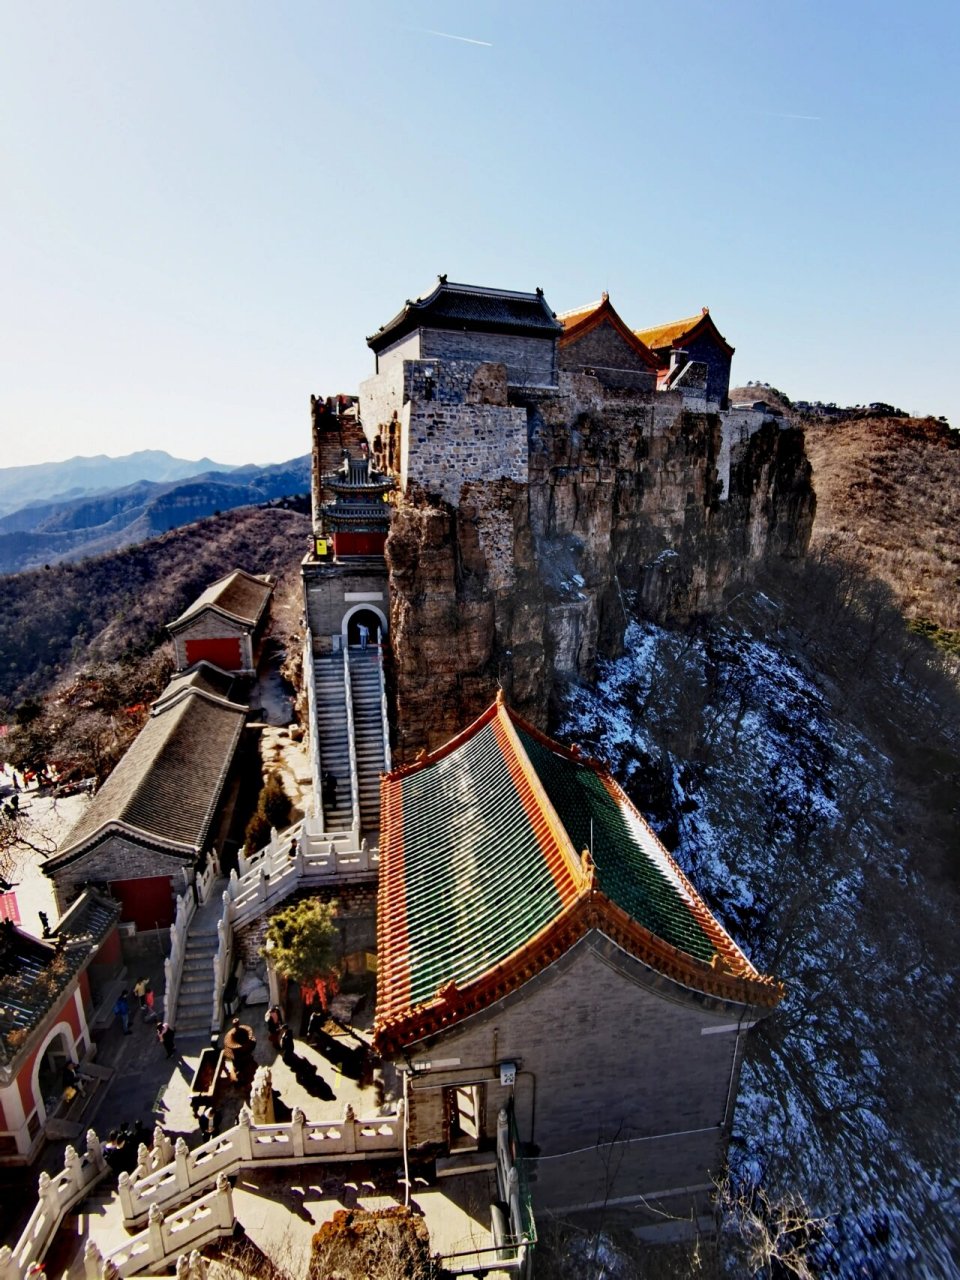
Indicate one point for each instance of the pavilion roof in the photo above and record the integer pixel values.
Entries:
(503, 848)
(34, 972)
(239, 595)
(167, 786)
(678, 332)
(470, 306)
(583, 320)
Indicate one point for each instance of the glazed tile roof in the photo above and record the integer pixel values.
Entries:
(468, 306)
(239, 595)
(583, 320)
(498, 852)
(166, 788)
(679, 331)
(34, 973)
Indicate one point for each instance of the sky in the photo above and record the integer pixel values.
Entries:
(206, 208)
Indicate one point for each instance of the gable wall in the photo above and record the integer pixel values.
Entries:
(211, 626)
(601, 1058)
(718, 367)
(604, 351)
(114, 858)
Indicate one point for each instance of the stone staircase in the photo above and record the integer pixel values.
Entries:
(333, 736)
(365, 681)
(195, 1001)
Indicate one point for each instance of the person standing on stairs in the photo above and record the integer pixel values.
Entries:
(364, 631)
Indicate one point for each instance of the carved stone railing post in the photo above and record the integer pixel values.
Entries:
(8, 1267)
(244, 1136)
(144, 1162)
(127, 1195)
(181, 1154)
(92, 1260)
(349, 1130)
(224, 1202)
(262, 885)
(95, 1151)
(297, 1120)
(155, 1233)
(73, 1167)
(162, 1147)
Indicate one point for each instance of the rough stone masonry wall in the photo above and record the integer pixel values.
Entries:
(524, 585)
(458, 428)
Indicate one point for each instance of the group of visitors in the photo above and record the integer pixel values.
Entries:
(278, 1033)
(121, 1147)
(146, 1002)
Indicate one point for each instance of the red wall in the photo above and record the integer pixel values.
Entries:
(148, 902)
(66, 1013)
(359, 544)
(223, 652)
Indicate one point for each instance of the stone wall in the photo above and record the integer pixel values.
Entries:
(528, 361)
(608, 356)
(356, 919)
(718, 368)
(632, 1064)
(332, 591)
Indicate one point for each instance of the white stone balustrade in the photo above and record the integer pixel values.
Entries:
(247, 1145)
(168, 1238)
(56, 1196)
(272, 874)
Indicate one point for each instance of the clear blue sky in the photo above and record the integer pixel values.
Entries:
(206, 207)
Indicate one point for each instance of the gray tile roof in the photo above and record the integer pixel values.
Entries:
(469, 306)
(204, 677)
(239, 594)
(167, 786)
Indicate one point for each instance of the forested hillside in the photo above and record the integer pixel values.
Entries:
(114, 607)
(889, 488)
(800, 753)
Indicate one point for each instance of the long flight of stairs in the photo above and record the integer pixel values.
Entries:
(333, 736)
(365, 681)
(195, 1002)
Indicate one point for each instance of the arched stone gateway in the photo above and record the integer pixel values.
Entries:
(367, 615)
(47, 1082)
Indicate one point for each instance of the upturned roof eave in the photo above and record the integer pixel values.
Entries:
(591, 910)
(415, 314)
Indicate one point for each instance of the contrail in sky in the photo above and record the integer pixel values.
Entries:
(449, 36)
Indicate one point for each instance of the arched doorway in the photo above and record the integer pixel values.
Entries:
(363, 615)
(48, 1070)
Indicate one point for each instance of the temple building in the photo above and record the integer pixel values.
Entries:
(48, 990)
(595, 340)
(167, 803)
(698, 341)
(224, 625)
(541, 952)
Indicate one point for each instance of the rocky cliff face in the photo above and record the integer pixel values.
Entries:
(525, 585)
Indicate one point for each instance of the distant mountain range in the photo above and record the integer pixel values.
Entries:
(91, 523)
(79, 477)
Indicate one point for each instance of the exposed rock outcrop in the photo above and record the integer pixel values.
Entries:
(624, 514)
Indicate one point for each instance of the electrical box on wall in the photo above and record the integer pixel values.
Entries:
(508, 1074)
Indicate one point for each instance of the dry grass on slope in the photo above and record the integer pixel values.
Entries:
(890, 489)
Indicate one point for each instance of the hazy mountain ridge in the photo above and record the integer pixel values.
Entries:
(115, 606)
(45, 533)
(81, 476)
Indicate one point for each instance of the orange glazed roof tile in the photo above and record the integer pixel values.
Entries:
(678, 332)
(482, 884)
